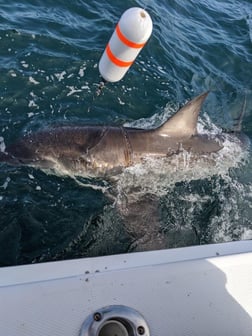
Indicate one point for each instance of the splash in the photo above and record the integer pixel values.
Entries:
(234, 220)
(200, 198)
(156, 176)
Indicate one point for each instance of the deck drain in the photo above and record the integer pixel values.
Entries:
(115, 321)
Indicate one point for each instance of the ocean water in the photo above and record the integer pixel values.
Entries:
(49, 75)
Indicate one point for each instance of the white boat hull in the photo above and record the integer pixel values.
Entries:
(200, 290)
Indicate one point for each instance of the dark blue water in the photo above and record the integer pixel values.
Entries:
(48, 74)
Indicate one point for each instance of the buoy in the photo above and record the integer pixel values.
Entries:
(131, 33)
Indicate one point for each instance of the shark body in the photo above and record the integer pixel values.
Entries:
(104, 150)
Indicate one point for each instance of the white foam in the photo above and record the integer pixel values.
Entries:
(82, 71)
(2, 145)
(73, 90)
(247, 234)
(233, 221)
(120, 101)
(6, 183)
(159, 175)
(154, 121)
(33, 81)
(85, 87)
(13, 74)
(24, 64)
(60, 76)
(32, 104)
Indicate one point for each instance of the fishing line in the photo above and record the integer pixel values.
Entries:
(97, 93)
(239, 120)
(146, 4)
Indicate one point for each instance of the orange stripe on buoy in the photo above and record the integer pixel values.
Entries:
(124, 39)
(116, 60)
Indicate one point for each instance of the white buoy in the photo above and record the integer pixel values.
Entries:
(132, 32)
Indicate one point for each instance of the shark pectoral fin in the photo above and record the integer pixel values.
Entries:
(184, 121)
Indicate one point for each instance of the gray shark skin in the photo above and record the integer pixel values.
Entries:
(105, 150)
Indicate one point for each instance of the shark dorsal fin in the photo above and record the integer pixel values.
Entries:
(184, 121)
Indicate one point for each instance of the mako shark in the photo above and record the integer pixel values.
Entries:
(106, 150)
